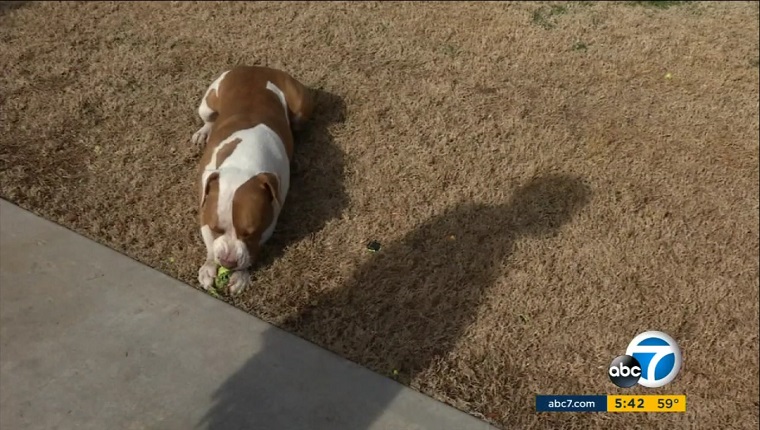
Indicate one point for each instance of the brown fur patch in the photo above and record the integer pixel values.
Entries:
(222, 155)
(208, 212)
(252, 212)
(226, 151)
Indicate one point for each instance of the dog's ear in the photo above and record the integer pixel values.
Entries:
(271, 183)
(207, 179)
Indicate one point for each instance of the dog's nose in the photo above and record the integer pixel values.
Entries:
(228, 264)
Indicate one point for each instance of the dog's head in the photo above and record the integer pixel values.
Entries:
(239, 218)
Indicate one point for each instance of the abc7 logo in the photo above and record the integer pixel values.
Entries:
(625, 371)
(662, 361)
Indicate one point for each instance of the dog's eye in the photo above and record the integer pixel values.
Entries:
(248, 234)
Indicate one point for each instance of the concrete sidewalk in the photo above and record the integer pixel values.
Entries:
(90, 339)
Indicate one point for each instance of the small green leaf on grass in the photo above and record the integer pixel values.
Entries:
(580, 46)
(543, 16)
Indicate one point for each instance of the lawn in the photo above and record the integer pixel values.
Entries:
(545, 179)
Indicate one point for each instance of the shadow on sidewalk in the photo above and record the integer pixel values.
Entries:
(389, 320)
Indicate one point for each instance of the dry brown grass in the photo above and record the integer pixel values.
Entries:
(589, 197)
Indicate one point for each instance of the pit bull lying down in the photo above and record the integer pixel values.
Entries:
(249, 114)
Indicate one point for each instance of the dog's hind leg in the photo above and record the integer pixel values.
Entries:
(208, 111)
(300, 102)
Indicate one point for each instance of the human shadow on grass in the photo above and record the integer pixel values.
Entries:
(317, 192)
(406, 306)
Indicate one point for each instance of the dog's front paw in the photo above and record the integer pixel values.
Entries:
(207, 274)
(239, 281)
(201, 136)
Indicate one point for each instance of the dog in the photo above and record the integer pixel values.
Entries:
(249, 115)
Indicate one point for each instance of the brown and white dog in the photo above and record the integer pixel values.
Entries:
(248, 113)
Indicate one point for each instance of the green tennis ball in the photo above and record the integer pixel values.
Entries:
(222, 277)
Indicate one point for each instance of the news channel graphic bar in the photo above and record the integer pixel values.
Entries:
(611, 403)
